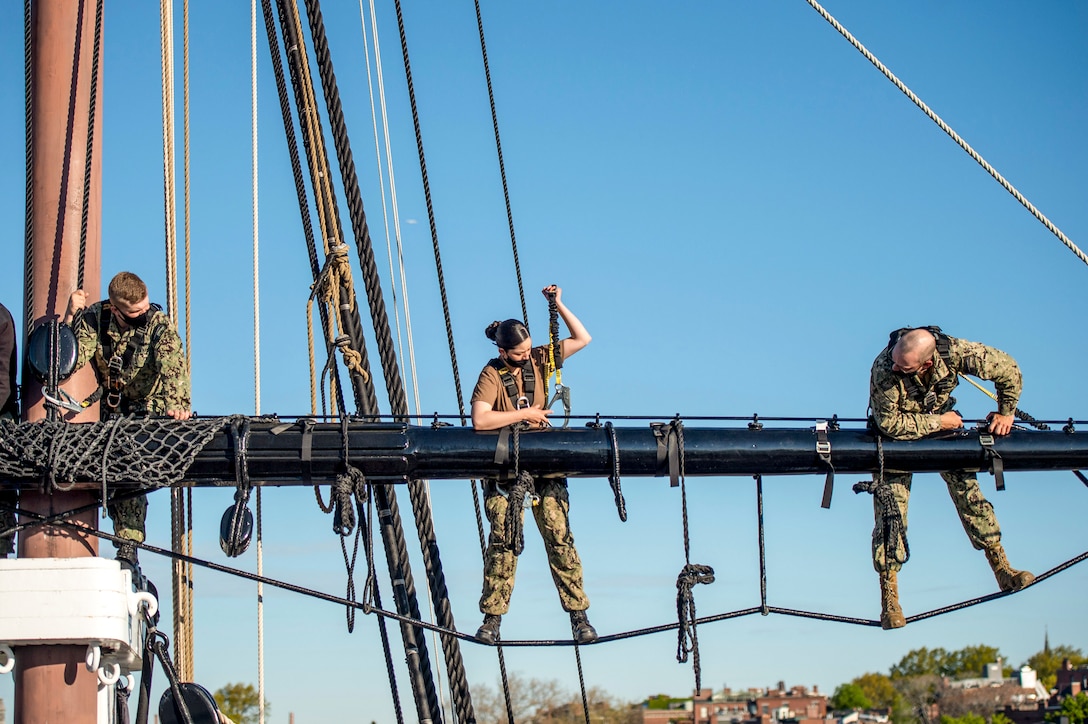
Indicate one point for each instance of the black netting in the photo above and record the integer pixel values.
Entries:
(154, 452)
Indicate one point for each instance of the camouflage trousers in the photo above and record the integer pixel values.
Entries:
(551, 513)
(9, 499)
(976, 513)
(129, 517)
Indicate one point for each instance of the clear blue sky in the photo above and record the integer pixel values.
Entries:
(737, 205)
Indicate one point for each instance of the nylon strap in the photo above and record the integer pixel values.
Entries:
(668, 450)
(997, 468)
(823, 449)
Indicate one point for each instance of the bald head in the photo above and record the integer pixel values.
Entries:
(913, 352)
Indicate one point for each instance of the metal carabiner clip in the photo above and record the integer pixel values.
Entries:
(522, 402)
(562, 394)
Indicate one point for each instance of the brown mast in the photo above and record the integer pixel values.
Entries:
(51, 682)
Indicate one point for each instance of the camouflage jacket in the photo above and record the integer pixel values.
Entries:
(898, 402)
(157, 379)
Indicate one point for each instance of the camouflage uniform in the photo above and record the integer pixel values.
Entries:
(155, 381)
(551, 513)
(9, 410)
(908, 407)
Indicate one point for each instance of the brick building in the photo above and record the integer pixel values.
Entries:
(779, 705)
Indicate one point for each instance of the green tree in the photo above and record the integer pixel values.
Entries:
(1074, 707)
(921, 662)
(1047, 663)
(240, 703)
(878, 689)
(970, 661)
(965, 719)
(999, 718)
(850, 696)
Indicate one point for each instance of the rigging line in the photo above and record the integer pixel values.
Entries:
(381, 178)
(300, 192)
(395, 204)
(430, 210)
(181, 613)
(389, 250)
(28, 225)
(256, 345)
(166, 31)
(394, 385)
(948, 130)
(187, 505)
(88, 159)
(502, 165)
(55, 520)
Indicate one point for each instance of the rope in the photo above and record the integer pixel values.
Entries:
(893, 529)
(393, 273)
(394, 384)
(28, 227)
(166, 31)
(762, 547)
(256, 344)
(502, 165)
(88, 159)
(1018, 412)
(60, 520)
(690, 574)
(300, 192)
(948, 130)
(187, 538)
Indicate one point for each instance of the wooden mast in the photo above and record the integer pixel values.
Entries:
(51, 682)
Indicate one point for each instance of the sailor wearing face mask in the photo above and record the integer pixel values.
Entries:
(140, 365)
(511, 389)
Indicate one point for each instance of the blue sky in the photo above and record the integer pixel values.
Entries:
(738, 206)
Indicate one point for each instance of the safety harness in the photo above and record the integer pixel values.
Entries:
(944, 349)
(528, 381)
(119, 363)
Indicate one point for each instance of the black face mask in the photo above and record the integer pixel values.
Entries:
(136, 322)
(516, 364)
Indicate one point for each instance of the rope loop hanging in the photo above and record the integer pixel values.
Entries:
(893, 529)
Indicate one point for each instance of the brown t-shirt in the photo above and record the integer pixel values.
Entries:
(489, 388)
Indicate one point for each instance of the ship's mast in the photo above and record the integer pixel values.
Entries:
(51, 682)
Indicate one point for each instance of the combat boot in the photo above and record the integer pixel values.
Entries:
(126, 556)
(488, 633)
(584, 633)
(891, 615)
(1008, 578)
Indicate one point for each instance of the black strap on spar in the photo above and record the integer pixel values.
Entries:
(997, 467)
(823, 449)
(668, 435)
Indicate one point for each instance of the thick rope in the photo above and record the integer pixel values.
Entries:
(502, 165)
(88, 159)
(948, 130)
(300, 192)
(28, 227)
(394, 384)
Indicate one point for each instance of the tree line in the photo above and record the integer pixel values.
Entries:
(918, 681)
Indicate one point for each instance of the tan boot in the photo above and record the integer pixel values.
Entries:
(1008, 578)
(891, 615)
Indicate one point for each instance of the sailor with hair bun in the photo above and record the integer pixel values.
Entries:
(511, 390)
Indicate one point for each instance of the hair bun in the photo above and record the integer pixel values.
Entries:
(492, 330)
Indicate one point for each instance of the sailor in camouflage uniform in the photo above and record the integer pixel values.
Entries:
(9, 410)
(511, 390)
(910, 397)
(141, 369)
